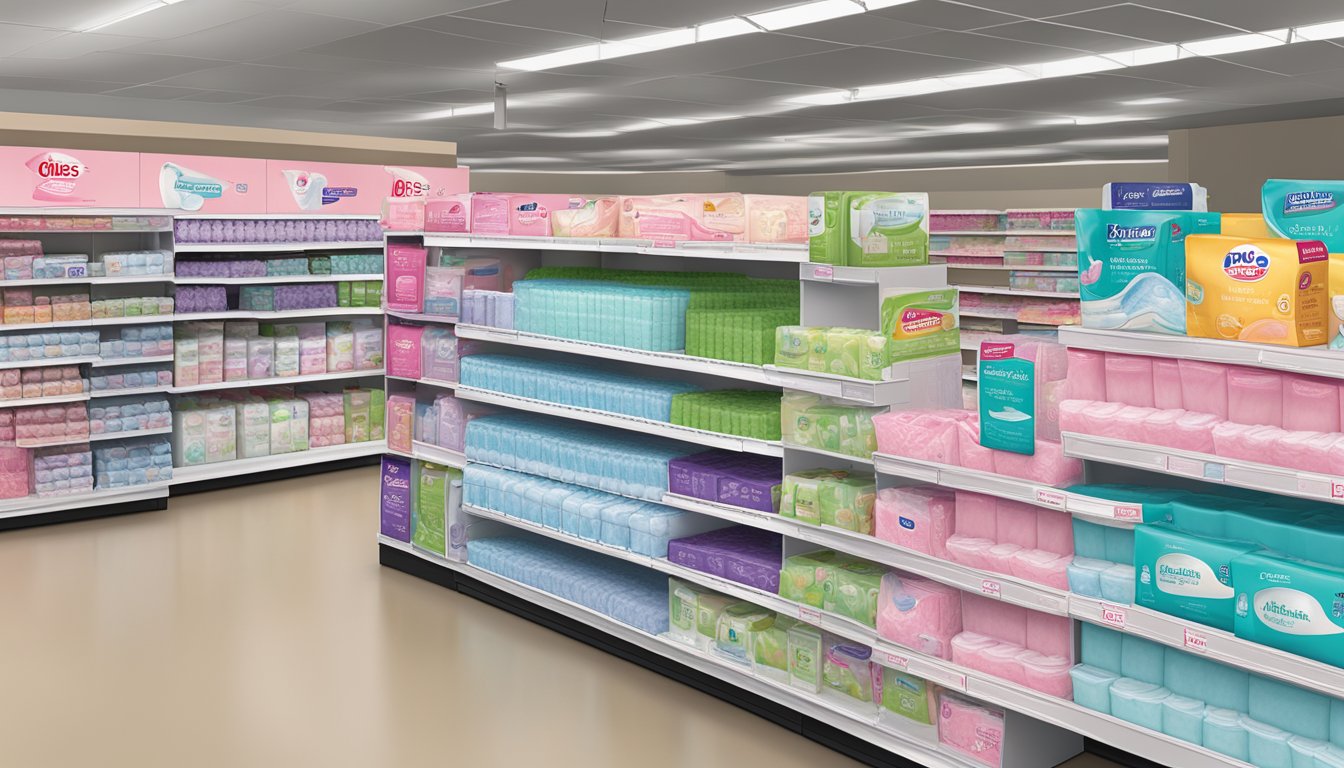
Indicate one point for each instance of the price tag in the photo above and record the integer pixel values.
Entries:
(897, 661)
(1048, 497)
(77, 270)
(810, 615)
(1179, 465)
(664, 244)
(1217, 472)
(851, 391)
(1196, 641)
(1113, 615)
(1132, 512)
(823, 272)
(991, 588)
(1336, 489)
(947, 678)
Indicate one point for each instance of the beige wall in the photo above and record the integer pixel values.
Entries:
(1024, 186)
(1233, 161)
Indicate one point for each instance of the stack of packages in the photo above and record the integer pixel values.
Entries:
(296, 230)
(134, 461)
(24, 260)
(140, 306)
(581, 386)
(723, 316)
(424, 352)
(125, 415)
(273, 421)
(23, 306)
(213, 352)
(727, 477)
(107, 380)
(749, 413)
(45, 424)
(19, 347)
(53, 381)
(810, 421)
(130, 343)
(442, 423)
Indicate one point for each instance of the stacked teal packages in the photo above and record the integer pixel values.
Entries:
(748, 413)
(1247, 717)
(581, 386)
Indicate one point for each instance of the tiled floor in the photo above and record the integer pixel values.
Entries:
(254, 627)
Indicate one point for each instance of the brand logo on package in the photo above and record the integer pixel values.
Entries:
(1118, 235)
(1308, 202)
(58, 173)
(1246, 263)
(1312, 251)
(991, 351)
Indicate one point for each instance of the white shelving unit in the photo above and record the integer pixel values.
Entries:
(425, 382)
(278, 380)
(99, 394)
(89, 281)
(43, 505)
(289, 314)
(55, 400)
(113, 362)
(1005, 267)
(998, 291)
(419, 317)
(179, 280)
(50, 361)
(369, 245)
(97, 322)
(222, 469)
(770, 253)
(433, 454)
(1317, 361)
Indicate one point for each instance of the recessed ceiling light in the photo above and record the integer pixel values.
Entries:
(154, 6)
(874, 5)
(718, 30)
(808, 13)
(1328, 30)
(462, 111)
(1223, 46)
(823, 98)
(567, 57)
(1150, 102)
(1103, 119)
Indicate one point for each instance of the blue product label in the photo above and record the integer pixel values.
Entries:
(1007, 399)
(1152, 197)
(1305, 210)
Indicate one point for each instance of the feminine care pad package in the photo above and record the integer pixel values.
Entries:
(1291, 604)
(1266, 291)
(1154, 196)
(869, 229)
(1309, 210)
(1131, 267)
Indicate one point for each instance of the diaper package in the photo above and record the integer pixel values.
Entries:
(908, 696)
(1131, 267)
(1267, 291)
(869, 229)
(1154, 196)
(922, 324)
(1290, 604)
(1305, 210)
(1186, 576)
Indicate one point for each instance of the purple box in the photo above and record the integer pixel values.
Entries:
(739, 553)
(742, 480)
(750, 490)
(395, 515)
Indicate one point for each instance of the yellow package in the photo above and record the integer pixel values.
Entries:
(1256, 289)
(1336, 312)
(1245, 225)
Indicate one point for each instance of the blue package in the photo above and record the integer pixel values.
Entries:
(1007, 399)
(1154, 196)
(1305, 210)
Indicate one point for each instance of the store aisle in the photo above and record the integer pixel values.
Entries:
(254, 627)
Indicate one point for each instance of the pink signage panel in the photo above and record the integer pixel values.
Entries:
(203, 184)
(358, 190)
(37, 177)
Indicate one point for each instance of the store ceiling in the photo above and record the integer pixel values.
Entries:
(393, 68)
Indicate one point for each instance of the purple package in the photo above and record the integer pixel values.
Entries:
(752, 487)
(395, 516)
(746, 555)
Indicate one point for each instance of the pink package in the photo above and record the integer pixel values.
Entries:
(977, 515)
(1049, 635)
(1049, 465)
(968, 649)
(1167, 384)
(683, 217)
(1310, 403)
(1229, 438)
(1047, 409)
(405, 277)
(1002, 621)
(970, 551)
(1194, 432)
(938, 439)
(918, 614)
(1016, 523)
(403, 350)
(1047, 674)
(452, 422)
(1128, 423)
(1003, 661)
(1306, 451)
(776, 218)
(402, 215)
(449, 214)
(400, 422)
(1160, 427)
(1129, 380)
(970, 453)
(489, 213)
(1204, 387)
(1042, 567)
(1054, 531)
(1097, 417)
(530, 215)
(1071, 415)
(598, 217)
(312, 348)
(999, 557)
(1254, 396)
(919, 518)
(1087, 375)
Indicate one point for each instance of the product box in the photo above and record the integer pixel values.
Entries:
(776, 218)
(869, 229)
(1186, 576)
(1266, 291)
(429, 524)
(598, 217)
(1305, 210)
(397, 500)
(1245, 225)
(1154, 196)
(403, 350)
(449, 214)
(405, 277)
(922, 324)
(1290, 604)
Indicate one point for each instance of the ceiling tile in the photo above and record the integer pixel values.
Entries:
(219, 97)
(259, 36)
(946, 15)
(289, 102)
(732, 53)
(684, 13)
(65, 15)
(454, 96)
(1255, 17)
(152, 92)
(863, 29)
(706, 89)
(386, 12)
(15, 38)
(422, 47)
(1037, 9)
(111, 66)
(1203, 73)
(1144, 24)
(73, 44)
(185, 18)
(1062, 35)
(981, 48)
(580, 17)
(1297, 59)
(845, 68)
(54, 85)
(540, 40)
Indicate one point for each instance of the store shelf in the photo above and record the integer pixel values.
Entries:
(244, 314)
(25, 401)
(1013, 267)
(99, 394)
(93, 438)
(896, 391)
(1210, 469)
(1000, 291)
(426, 382)
(1220, 646)
(433, 454)
(921, 277)
(1318, 361)
(275, 247)
(274, 280)
(419, 317)
(987, 316)
(41, 505)
(49, 361)
(238, 467)
(79, 212)
(832, 454)
(1003, 487)
(1006, 232)
(764, 252)
(276, 216)
(278, 380)
(97, 322)
(998, 586)
(673, 360)
(628, 423)
(113, 362)
(964, 255)
(923, 751)
(93, 281)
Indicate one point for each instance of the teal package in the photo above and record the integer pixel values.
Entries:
(1007, 399)
(1186, 576)
(1131, 267)
(1293, 605)
(1305, 210)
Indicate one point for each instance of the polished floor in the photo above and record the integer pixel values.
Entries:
(254, 627)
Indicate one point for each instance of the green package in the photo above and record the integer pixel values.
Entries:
(683, 601)
(907, 695)
(356, 294)
(800, 494)
(707, 610)
(343, 294)
(793, 346)
(847, 502)
(852, 591)
(817, 350)
(770, 646)
(803, 578)
(377, 414)
(358, 404)
(805, 660)
(737, 628)
(921, 324)
(826, 227)
(430, 521)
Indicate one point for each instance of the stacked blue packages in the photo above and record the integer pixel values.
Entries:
(581, 386)
(634, 316)
(132, 462)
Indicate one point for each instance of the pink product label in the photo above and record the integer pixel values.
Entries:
(403, 215)
(34, 176)
(530, 219)
(920, 320)
(671, 226)
(294, 186)
(449, 215)
(1314, 250)
(489, 214)
(990, 350)
(403, 350)
(405, 278)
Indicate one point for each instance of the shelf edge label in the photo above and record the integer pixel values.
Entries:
(1113, 615)
(1049, 497)
(807, 613)
(1196, 641)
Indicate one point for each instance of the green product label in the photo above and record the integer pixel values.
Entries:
(1007, 399)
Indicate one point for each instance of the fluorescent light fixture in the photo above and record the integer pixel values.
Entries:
(1149, 102)
(1223, 46)
(485, 108)
(823, 98)
(1103, 119)
(1328, 30)
(1082, 65)
(580, 134)
(718, 30)
(899, 90)
(154, 6)
(646, 43)
(983, 78)
(874, 5)
(808, 13)
(568, 57)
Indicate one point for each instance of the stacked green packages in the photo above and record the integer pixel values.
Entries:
(908, 696)
(810, 421)
(851, 352)
(831, 497)
(869, 229)
(747, 413)
(359, 293)
(740, 336)
(834, 582)
(319, 264)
